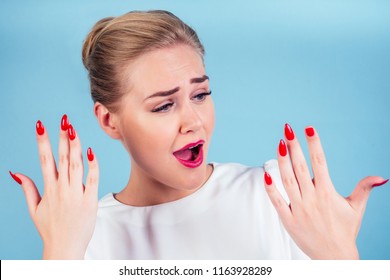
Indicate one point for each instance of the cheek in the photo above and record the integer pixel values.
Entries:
(147, 139)
(209, 119)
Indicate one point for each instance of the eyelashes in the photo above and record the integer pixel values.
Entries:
(202, 96)
(199, 98)
(162, 108)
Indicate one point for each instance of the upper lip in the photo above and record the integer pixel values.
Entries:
(191, 145)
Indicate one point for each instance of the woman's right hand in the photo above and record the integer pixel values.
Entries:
(66, 214)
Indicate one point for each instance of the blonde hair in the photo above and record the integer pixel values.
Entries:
(114, 42)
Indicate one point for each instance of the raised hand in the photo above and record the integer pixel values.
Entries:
(65, 215)
(322, 222)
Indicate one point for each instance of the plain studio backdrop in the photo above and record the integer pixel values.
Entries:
(320, 63)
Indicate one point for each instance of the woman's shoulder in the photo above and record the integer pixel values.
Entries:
(228, 175)
(234, 170)
(108, 200)
(272, 163)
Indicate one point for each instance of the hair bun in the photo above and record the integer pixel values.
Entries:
(93, 37)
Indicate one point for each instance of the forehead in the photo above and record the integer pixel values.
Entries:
(164, 69)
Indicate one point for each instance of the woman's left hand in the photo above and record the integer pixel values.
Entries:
(322, 222)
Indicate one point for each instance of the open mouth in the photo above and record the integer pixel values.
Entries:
(190, 155)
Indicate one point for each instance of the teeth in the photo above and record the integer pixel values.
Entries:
(194, 147)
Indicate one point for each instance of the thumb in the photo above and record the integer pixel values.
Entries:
(30, 191)
(359, 197)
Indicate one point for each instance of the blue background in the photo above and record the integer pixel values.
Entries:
(320, 63)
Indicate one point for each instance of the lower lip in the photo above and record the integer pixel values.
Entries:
(193, 163)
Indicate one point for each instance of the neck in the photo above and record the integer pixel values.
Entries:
(143, 190)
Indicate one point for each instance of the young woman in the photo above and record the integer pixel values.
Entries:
(151, 92)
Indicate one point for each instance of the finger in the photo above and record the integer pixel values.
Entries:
(282, 208)
(317, 158)
(359, 197)
(48, 165)
(63, 153)
(301, 170)
(76, 167)
(30, 191)
(287, 174)
(91, 188)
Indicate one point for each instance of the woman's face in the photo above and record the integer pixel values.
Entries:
(166, 118)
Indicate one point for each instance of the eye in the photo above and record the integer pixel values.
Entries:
(163, 108)
(201, 96)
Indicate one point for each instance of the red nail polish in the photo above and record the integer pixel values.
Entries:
(71, 132)
(40, 128)
(267, 178)
(309, 131)
(380, 184)
(288, 132)
(90, 154)
(282, 148)
(64, 123)
(16, 178)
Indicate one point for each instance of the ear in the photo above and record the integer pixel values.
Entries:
(107, 120)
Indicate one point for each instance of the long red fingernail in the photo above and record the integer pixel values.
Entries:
(288, 132)
(309, 131)
(282, 148)
(64, 123)
(40, 128)
(267, 178)
(380, 184)
(90, 154)
(16, 178)
(71, 132)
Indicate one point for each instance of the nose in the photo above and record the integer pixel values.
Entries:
(190, 120)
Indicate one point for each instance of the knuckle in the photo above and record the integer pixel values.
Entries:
(308, 206)
(318, 159)
(279, 203)
(92, 181)
(64, 159)
(301, 168)
(75, 165)
(325, 193)
(292, 226)
(45, 159)
(289, 181)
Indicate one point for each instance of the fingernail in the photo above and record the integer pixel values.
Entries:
(309, 131)
(71, 132)
(64, 123)
(380, 184)
(90, 154)
(289, 132)
(16, 178)
(40, 128)
(267, 178)
(282, 148)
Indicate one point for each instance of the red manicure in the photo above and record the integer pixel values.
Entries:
(309, 131)
(16, 178)
(40, 128)
(71, 132)
(380, 184)
(90, 154)
(289, 132)
(64, 123)
(267, 178)
(282, 148)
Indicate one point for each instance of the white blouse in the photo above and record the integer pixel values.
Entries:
(229, 217)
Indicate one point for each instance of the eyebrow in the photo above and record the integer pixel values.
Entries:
(163, 93)
(176, 89)
(199, 80)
